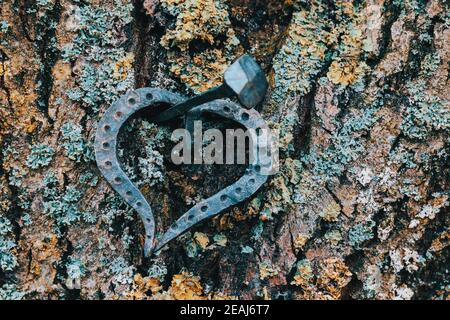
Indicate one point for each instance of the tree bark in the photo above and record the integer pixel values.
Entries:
(359, 94)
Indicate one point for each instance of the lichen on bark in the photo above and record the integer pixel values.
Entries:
(358, 91)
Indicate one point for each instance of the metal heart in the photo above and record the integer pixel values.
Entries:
(107, 161)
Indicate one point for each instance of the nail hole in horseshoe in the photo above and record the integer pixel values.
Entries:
(118, 115)
(139, 204)
(251, 181)
(132, 101)
(257, 168)
(226, 109)
(245, 116)
(118, 180)
(105, 145)
(238, 190)
(108, 164)
(190, 217)
(204, 208)
(106, 128)
(149, 96)
(129, 193)
(223, 197)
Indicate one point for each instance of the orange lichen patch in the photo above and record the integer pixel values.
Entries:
(42, 266)
(308, 46)
(18, 71)
(334, 276)
(344, 71)
(345, 8)
(325, 281)
(265, 293)
(180, 181)
(442, 242)
(185, 286)
(266, 270)
(221, 296)
(303, 275)
(143, 288)
(41, 252)
(424, 213)
(22, 98)
(226, 220)
(205, 71)
(201, 20)
(201, 239)
(253, 208)
(282, 194)
(204, 21)
(331, 211)
(123, 67)
(347, 67)
(300, 241)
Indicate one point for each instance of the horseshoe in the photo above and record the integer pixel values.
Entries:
(245, 80)
(255, 175)
(105, 147)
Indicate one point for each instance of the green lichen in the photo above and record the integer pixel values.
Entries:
(247, 249)
(26, 219)
(425, 114)
(9, 292)
(257, 231)
(15, 177)
(126, 238)
(346, 146)
(320, 35)
(303, 273)
(430, 64)
(360, 233)
(284, 189)
(106, 71)
(333, 236)
(151, 164)
(75, 268)
(61, 205)
(74, 144)
(89, 178)
(8, 260)
(192, 249)
(121, 271)
(40, 156)
(158, 270)
(302, 56)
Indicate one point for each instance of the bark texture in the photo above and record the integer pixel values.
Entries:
(358, 89)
